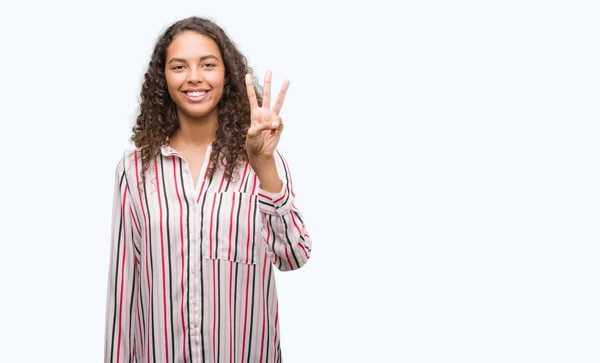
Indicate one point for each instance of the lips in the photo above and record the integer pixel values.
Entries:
(195, 95)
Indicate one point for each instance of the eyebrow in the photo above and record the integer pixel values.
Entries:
(184, 61)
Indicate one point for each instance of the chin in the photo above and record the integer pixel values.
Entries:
(197, 114)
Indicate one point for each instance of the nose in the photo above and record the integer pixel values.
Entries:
(194, 76)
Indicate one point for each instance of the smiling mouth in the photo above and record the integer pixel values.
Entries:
(195, 93)
(195, 96)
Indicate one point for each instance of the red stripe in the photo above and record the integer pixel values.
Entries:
(246, 313)
(230, 313)
(213, 263)
(249, 233)
(254, 186)
(243, 177)
(214, 311)
(275, 338)
(134, 222)
(283, 196)
(262, 344)
(211, 223)
(300, 244)
(288, 257)
(137, 178)
(231, 225)
(289, 175)
(123, 213)
(299, 232)
(162, 246)
(182, 256)
(249, 230)
(265, 196)
(231, 275)
(214, 275)
(221, 185)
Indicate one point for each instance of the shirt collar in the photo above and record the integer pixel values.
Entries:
(167, 150)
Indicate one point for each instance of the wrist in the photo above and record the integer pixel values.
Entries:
(261, 164)
(266, 171)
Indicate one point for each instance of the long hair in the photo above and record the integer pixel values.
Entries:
(157, 119)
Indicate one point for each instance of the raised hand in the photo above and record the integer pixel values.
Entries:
(265, 123)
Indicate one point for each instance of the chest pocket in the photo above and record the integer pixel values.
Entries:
(231, 227)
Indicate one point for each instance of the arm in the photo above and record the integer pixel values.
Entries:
(122, 292)
(288, 242)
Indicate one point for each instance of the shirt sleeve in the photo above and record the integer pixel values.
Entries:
(288, 242)
(122, 292)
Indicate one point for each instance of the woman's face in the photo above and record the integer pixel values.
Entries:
(195, 75)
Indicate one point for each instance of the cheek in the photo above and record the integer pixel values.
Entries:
(218, 80)
(173, 82)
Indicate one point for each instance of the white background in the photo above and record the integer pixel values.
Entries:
(445, 158)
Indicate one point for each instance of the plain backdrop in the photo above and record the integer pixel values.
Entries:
(445, 157)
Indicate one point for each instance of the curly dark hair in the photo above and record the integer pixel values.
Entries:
(157, 119)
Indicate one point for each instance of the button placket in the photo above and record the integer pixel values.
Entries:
(194, 253)
(197, 259)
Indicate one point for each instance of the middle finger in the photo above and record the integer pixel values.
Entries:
(266, 101)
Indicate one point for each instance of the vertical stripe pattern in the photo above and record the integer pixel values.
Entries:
(191, 275)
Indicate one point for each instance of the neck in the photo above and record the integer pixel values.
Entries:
(195, 132)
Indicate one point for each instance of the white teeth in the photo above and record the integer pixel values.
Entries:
(196, 93)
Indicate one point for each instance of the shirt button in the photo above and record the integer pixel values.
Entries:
(194, 302)
(193, 332)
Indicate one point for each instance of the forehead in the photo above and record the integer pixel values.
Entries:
(191, 45)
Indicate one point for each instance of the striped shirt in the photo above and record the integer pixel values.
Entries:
(191, 275)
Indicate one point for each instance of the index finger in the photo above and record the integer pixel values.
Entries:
(251, 93)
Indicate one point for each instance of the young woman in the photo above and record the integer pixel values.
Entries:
(203, 210)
